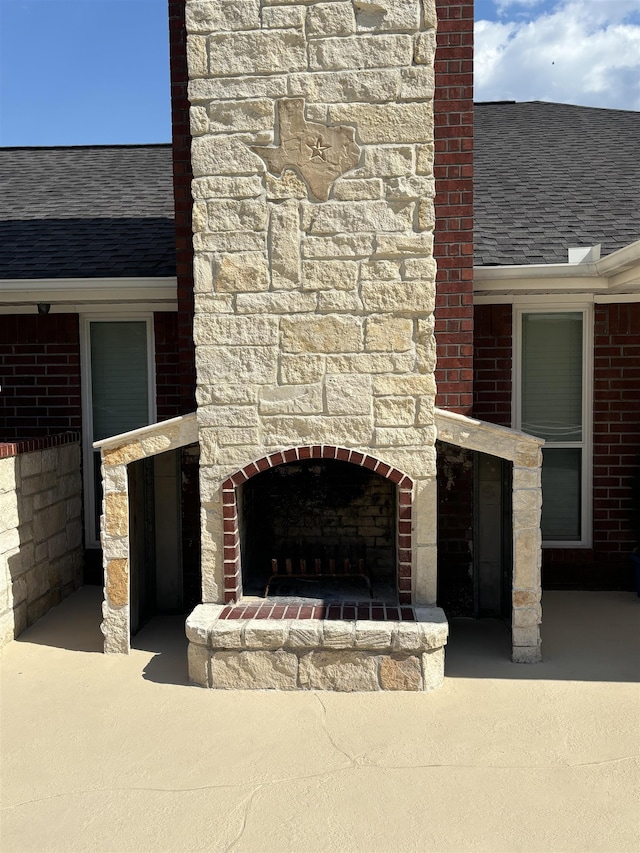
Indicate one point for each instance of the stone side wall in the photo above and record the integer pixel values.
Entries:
(313, 296)
(41, 549)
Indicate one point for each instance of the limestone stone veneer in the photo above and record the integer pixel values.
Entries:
(316, 654)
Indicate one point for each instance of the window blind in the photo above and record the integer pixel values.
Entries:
(552, 376)
(119, 377)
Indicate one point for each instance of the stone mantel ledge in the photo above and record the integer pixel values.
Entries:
(518, 447)
(148, 440)
(429, 631)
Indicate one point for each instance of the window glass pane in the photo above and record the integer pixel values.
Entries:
(119, 382)
(552, 376)
(561, 486)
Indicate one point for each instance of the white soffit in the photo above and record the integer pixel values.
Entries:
(74, 294)
(614, 278)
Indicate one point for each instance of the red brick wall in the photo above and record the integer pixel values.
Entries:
(492, 339)
(453, 247)
(165, 329)
(181, 142)
(39, 375)
(616, 428)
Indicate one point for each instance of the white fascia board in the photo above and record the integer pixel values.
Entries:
(617, 272)
(88, 290)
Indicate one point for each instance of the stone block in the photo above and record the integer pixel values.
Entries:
(338, 634)
(403, 296)
(8, 474)
(372, 635)
(208, 16)
(226, 187)
(284, 245)
(288, 186)
(385, 386)
(425, 49)
(417, 83)
(9, 509)
(385, 51)
(344, 671)
(234, 215)
(338, 246)
(198, 121)
(527, 506)
(394, 411)
(373, 216)
(116, 508)
(265, 633)
(266, 52)
(254, 670)
(223, 155)
(384, 15)
(118, 582)
(339, 86)
(388, 334)
(283, 17)
(198, 664)
(527, 546)
(227, 634)
(123, 455)
(244, 364)
(348, 394)
(330, 275)
(526, 617)
(223, 241)
(529, 636)
(235, 331)
(339, 300)
(401, 245)
(527, 478)
(526, 654)
(401, 673)
(284, 302)
(349, 431)
(433, 669)
(357, 189)
(330, 19)
(241, 116)
(291, 399)
(321, 334)
(229, 88)
(525, 598)
(227, 416)
(387, 123)
(301, 369)
(305, 634)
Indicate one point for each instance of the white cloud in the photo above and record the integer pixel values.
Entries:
(580, 53)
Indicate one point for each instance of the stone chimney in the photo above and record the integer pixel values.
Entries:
(313, 221)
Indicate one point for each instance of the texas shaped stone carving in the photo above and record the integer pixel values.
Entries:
(319, 153)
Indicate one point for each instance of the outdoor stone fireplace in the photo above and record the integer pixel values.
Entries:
(314, 282)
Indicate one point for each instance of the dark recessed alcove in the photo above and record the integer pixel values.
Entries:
(334, 522)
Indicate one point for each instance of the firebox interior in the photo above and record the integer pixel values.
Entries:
(322, 529)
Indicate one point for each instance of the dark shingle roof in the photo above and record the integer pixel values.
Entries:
(547, 176)
(550, 176)
(86, 211)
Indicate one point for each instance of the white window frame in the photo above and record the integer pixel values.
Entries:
(92, 536)
(546, 304)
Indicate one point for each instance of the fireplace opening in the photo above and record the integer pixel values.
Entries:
(319, 529)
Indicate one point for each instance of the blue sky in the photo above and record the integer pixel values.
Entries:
(76, 72)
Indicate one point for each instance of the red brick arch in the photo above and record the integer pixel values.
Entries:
(232, 566)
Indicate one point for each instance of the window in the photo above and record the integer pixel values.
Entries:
(552, 402)
(118, 385)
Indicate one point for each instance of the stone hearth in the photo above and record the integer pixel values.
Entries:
(242, 647)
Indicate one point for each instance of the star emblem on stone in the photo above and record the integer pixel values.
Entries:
(318, 149)
(318, 153)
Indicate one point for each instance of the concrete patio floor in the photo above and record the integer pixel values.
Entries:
(119, 754)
